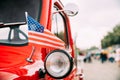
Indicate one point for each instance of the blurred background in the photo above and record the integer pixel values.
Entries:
(96, 20)
(96, 32)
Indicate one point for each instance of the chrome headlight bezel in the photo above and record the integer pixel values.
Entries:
(58, 64)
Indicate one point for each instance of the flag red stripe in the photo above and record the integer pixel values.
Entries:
(49, 36)
(45, 45)
(45, 41)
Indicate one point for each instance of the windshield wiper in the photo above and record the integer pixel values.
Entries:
(2, 25)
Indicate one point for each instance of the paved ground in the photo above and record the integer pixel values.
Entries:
(98, 71)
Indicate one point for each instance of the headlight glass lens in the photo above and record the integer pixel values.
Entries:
(58, 64)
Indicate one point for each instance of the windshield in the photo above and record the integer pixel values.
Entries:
(12, 20)
(14, 10)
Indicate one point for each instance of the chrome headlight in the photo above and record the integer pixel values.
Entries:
(58, 64)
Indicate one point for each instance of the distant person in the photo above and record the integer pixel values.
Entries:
(117, 57)
(88, 57)
(103, 56)
(112, 57)
(81, 57)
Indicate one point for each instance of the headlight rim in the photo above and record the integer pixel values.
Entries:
(70, 61)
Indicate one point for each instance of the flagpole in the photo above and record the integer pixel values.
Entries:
(29, 59)
(26, 15)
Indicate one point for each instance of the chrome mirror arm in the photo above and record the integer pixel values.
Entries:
(68, 12)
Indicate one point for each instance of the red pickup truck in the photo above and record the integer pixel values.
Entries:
(49, 55)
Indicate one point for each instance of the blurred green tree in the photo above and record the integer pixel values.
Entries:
(112, 38)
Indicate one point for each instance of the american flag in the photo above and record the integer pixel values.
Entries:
(42, 37)
(33, 25)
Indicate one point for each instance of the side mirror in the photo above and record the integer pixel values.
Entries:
(71, 9)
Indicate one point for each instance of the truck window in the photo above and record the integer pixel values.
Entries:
(12, 18)
(14, 10)
(59, 27)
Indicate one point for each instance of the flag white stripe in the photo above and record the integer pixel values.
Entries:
(45, 44)
(45, 39)
(46, 35)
